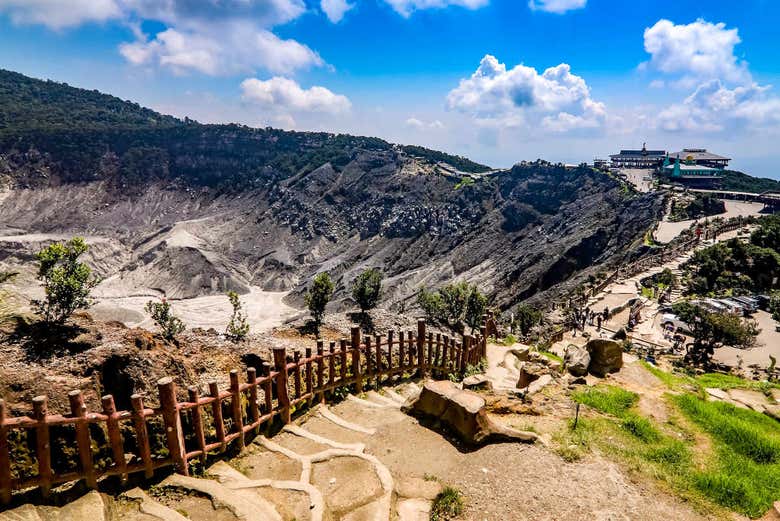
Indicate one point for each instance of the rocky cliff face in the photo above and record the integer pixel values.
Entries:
(519, 233)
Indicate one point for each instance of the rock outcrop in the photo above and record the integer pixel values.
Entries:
(576, 360)
(606, 356)
(464, 413)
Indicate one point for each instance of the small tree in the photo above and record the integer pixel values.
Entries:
(238, 327)
(454, 304)
(67, 283)
(431, 304)
(526, 317)
(476, 305)
(170, 325)
(367, 289)
(318, 296)
(713, 330)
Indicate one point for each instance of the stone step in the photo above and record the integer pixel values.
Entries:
(23, 513)
(369, 403)
(148, 507)
(246, 506)
(91, 506)
(381, 399)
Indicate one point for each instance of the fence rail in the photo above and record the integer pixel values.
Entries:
(174, 432)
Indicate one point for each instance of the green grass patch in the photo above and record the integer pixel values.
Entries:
(509, 340)
(729, 381)
(671, 380)
(448, 504)
(746, 432)
(608, 399)
(745, 472)
(640, 427)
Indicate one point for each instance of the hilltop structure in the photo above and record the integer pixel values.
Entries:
(643, 158)
(693, 167)
(700, 157)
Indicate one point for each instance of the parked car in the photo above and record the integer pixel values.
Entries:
(670, 319)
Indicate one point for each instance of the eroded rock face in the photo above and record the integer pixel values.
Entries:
(529, 373)
(606, 356)
(463, 412)
(577, 360)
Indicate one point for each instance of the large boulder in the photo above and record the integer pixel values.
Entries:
(463, 412)
(606, 356)
(576, 360)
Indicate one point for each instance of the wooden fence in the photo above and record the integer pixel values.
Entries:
(171, 433)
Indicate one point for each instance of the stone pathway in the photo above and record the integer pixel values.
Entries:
(316, 469)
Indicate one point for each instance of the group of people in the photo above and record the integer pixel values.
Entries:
(587, 316)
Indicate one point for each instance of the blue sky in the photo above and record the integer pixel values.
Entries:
(496, 80)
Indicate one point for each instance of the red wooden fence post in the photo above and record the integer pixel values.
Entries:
(42, 445)
(115, 436)
(79, 410)
(369, 355)
(280, 364)
(465, 347)
(401, 352)
(355, 345)
(216, 412)
(267, 389)
(141, 434)
(309, 377)
(389, 354)
(421, 347)
(197, 421)
(254, 407)
(235, 406)
(5, 459)
(343, 346)
(378, 361)
(321, 368)
(483, 343)
(173, 432)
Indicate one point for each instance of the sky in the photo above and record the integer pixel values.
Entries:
(498, 81)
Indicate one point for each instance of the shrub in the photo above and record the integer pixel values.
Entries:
(448, 504)
(67, 283)
(238, 327)
(318, 296)
(169, 324)
(367, 289)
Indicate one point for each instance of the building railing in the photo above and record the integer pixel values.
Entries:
(177, 430)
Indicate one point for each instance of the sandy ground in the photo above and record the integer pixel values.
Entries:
(639, 177)
(768, 343)
(667, 231)
(265, 310)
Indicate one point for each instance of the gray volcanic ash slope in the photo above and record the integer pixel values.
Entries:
(190, 209)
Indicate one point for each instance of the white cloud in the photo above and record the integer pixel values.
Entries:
(418, 124)
(697, 51)
(406, 7)
(335, 9)
(713, 107)
(225, 48)
(556, 6)
(556, 100)
(285, 95)
(59, 14)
